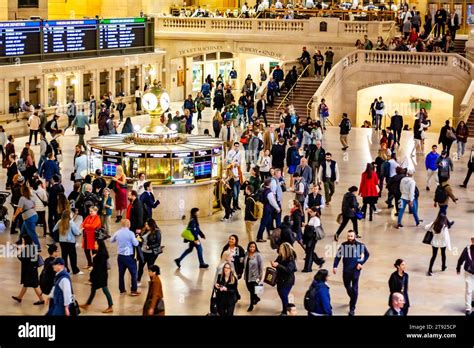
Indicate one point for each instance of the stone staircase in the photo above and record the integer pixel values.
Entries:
(470, 120)
(300, 96)
(460, 47)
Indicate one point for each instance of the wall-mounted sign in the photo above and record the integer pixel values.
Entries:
(158, 155)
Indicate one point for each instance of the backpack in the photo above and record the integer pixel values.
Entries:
(48, 126)
(275, 238)
(293, 119)
(450, 134)
(21, 165)
(309, 299)
(54, 146)
(257, 209)
(440, 194)
(89, 201)
(379, 105)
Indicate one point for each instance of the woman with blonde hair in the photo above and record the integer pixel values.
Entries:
(120, 189)
(226, 291)
(285, 266)
(67, 231)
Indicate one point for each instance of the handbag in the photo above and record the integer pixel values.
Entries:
(339, 218)
(74, 309)
(187, 235)
(213, 303)
(73, 176)
(359, 215)
(428, 237)
(160, 306)
(270, 276)
(259, 289)
(319, 232)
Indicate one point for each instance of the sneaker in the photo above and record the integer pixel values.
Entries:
(351, 313)
(204, 265)
(135, 293)
(261, 240)
(399, 226)
(444, 268)
(139, 284)
(177, 262)
(123, 293)
(224, 219)
(108, 310)
(250, 308)
(377, 211)
(419, 223)
(427, 188)
(429, 274)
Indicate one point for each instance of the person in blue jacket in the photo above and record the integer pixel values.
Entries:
(193, 226)
(322, 299)
(49, 168)
(431, 164)
(355, 255)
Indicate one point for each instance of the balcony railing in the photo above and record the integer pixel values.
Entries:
(312, 28)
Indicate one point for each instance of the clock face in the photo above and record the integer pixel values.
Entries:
(165, 101)
(149, 101)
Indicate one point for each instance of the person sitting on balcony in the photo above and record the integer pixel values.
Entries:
(381, 46)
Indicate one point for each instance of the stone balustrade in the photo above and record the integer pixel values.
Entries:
(450, 73)
(311, 29)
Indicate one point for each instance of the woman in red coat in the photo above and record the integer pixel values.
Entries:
(369, 189)
(90, 224)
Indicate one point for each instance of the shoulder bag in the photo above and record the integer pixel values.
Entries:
(428, 237)
(319, 232)
(270, 276)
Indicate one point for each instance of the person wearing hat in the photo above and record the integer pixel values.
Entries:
(407, 189)
(154, 304)
(61, 296)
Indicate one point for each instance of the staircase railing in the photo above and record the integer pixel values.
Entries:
(467, 104)
(290, 91)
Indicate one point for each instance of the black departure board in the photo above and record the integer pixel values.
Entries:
(20, 38)
(122, 33)
(69, 36)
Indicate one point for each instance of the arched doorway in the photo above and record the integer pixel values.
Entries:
(407, 99)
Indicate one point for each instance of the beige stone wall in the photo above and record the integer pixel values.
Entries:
(15, 13)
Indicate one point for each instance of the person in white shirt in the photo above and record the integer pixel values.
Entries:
(310, 241)
(40, 197)
(245, 10)
(309, 4)
(278, 4)
(441, 240)
(34, 123)
(265, 164)
(139, 185)
(80, 167)
(393, 165)
(329, 176)
(234, 155)
(407, 189)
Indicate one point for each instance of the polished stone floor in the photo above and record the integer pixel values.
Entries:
(187, 291)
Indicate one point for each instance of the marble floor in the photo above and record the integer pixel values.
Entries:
(187, 291)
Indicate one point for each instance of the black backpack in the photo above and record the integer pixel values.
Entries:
(90, 200)
(309, 299)
(440, 194)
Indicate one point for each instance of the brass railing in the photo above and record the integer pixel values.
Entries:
(290, 91)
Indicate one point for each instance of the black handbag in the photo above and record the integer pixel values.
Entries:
(428, 237)
(74, 309)
(213, 303)
(270, 276)
(73, 176)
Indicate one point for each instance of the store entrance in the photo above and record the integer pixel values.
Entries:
(214, 64)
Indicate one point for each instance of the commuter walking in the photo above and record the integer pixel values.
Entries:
(253, 272)
(348, 210)
(285, 266)
(441, 240)
(354, 254)
(398, 283)
(467, 259)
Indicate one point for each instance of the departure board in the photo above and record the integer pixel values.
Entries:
(19, 38)
(69, 36)
(122, 33)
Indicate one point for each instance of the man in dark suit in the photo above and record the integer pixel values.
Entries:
(136, 212)
(396, 125)
(440, 20)
(262, 109)
(396, 308)
(148, 200)
(453, 23)
(283, 132)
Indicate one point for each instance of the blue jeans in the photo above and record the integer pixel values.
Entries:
(236, 190)
(29, 228)
(190, 249)
(266, 222)
(124, 263)
(283, 292)
(40, 163)
(404, 203)
(461, 147)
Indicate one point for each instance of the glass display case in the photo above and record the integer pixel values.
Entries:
(182, 164)
(197, 160)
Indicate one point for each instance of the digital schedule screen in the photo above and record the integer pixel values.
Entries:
(19, 38)
(69, 36)
(122, 33)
